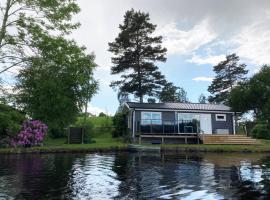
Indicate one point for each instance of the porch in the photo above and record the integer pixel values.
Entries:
(167, 127)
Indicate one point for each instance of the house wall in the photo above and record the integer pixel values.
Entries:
(228, 124)
(170, 116)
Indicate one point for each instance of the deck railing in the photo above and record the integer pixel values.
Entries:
(153, 126)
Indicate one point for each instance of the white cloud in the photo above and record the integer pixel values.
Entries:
(203, 78)
(96, 110)
(253, 41)
(178, 41)
(209, 59)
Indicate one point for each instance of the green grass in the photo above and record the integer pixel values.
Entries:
(104, 142)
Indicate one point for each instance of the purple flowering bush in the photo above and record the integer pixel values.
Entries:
(32, 134)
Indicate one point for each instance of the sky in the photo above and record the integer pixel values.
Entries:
(197, 34)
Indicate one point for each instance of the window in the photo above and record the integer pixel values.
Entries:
(220, 117)
(151, 118)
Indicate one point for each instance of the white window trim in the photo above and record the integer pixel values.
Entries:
(160, 113)
(222, 120)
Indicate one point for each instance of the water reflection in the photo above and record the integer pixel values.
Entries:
(135, 176)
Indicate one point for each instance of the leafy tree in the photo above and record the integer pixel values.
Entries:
(135, 52)
(56, 85)
(253, 94)
(182, 95)
(202, 99)
(23, 21)
(172, 93)
(10, 121)
(228, 74)
(102, 114)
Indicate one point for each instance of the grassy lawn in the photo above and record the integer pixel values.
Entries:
(103, 142)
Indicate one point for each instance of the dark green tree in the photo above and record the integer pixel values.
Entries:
(102, 114)
(168, 93)
(228, 74)
(56, 85)
(135, 52)
(10, 121)
(172, 93)
(202, 99)
(253, 94)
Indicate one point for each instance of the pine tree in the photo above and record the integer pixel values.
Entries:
(135, 52)
(172, 93)
(228, 74)
(202, 99)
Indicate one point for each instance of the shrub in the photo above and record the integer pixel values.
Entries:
(119, 122)
(261, 131)
(32, 134)
(10, 121)
(88, 128)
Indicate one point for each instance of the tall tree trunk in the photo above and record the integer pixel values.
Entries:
(4, 22)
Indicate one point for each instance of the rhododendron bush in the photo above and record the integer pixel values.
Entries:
(32, 134)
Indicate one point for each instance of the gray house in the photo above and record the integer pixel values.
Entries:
(179, 119)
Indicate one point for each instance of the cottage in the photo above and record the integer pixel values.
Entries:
(178, 120)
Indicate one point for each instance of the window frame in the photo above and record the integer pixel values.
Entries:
(151, 118)
(221, 120)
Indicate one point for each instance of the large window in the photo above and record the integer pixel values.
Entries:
(151, 118)
(188, 123)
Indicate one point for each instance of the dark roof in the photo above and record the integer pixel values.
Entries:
(179, 106)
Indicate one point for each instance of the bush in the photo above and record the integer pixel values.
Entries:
(261, 131)
(32, 134)
(10, 121)
(119, 122)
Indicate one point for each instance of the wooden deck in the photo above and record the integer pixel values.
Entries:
(197, 139)
(163, 137)
(227, 139)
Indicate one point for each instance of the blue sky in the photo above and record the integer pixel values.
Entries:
(197, 34)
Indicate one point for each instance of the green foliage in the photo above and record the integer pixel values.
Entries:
(24, 21)
(253, 94)
(136, 50)
(172, 93)
(102, 114)
(57, 83)
(88, 127)
(202, 99)
(10, 123)
(228, 73)
(95, 126)
(119, 122)
(261, 131)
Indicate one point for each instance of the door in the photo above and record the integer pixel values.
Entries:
(206, 123)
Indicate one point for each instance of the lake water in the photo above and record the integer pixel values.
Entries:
(135, 176)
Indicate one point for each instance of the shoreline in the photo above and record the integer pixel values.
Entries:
(124, 148)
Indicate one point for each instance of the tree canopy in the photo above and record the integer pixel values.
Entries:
(172, 93)
(135, 52)
(202, 99)
(253, 94)
(57, 83)
(228, 74)
(23, 21)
